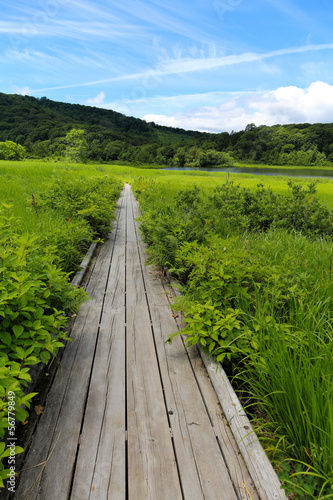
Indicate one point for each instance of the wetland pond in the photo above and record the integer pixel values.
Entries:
(288, 172)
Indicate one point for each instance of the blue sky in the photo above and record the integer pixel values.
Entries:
(213, 65)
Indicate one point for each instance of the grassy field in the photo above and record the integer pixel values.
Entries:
(19, 180)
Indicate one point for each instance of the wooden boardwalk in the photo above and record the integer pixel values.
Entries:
(128, 416)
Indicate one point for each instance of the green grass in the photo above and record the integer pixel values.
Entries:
(291, 372)
(21, 179)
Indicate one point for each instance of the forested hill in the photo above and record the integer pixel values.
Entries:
(27, 120)
(41, 126)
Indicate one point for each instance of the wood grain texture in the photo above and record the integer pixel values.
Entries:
(151, 462)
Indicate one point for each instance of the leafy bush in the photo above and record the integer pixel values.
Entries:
(9, 150)
(262, 209)
(212, 158)
(165, 227)
(34, 295)
(92, 199)
(70, 242)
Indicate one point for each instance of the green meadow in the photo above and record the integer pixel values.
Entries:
(20, 180)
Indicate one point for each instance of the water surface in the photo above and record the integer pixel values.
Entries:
(288, 172)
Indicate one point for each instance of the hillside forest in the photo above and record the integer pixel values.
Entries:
(49, 129)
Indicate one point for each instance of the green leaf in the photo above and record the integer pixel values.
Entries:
(20, 352)
(6, 453)
(45, 356)
(6, 337)
(220, 357)
(18, 330)
(31, 360)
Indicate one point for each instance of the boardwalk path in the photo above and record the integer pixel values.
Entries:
(129, 417)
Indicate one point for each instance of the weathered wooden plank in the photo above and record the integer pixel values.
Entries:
(131, 225)
(109, 479)
(260, 468)
(152, 469)
(239, 474)
(188, 468)
(100, 466)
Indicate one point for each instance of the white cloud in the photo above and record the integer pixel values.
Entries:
(96, 101)
(22, 90)
(283, 105)
(292, 104)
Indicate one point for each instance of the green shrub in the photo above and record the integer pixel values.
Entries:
(9, 150)
(91, 199)
(262, 209)
(70, 241)
(34, 295)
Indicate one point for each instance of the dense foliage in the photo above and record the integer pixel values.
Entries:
(42, 127)
(9, 150)
(257, 293)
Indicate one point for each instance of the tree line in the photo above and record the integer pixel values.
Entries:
(44, 128)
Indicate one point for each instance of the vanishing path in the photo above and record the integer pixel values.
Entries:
(129, 417)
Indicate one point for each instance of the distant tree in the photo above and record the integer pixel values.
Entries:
(77, 146)
(112, 150)
(212, 158)
(9, 150)
(250, 127)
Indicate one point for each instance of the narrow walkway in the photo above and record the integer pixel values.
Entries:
(128, 416)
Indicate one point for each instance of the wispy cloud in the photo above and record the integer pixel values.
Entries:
(188, 65)
(164, 20)
(199, 64)
(190, 99)
(29, 55)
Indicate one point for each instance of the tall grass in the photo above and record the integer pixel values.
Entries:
(290, 374)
